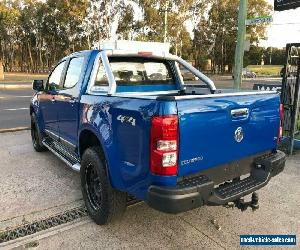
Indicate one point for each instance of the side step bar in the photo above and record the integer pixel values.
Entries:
(62, 154)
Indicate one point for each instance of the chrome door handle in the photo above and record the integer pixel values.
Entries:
(53, 100)
(243, 112)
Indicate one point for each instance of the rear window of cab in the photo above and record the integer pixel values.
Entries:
(138, 74)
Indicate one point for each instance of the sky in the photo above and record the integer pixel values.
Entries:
(284, 29)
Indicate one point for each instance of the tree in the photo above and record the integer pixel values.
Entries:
(253, 56)
(36, 34)
(62, 27)
(275, 56)
(179, 14)
(101, 15)
(127, 26)
(221, 25)
(9, 15)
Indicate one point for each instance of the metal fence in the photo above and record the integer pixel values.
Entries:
(290, 94)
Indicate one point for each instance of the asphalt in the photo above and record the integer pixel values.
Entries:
(227, 81)
(15, 95)
(15, 98)
(14, 108)
(37, 185)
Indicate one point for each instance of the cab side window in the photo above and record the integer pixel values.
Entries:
(74, 72)
(54, 79)
(101, 77)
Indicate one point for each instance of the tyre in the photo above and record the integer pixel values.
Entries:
(36, 135)
(104, 204)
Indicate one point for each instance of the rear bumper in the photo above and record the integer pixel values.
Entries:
(200, 190)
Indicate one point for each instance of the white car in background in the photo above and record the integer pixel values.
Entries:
(246, 73)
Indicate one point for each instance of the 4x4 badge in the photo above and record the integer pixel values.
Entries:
(239, 134)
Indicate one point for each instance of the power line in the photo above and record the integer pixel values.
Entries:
(285, 24)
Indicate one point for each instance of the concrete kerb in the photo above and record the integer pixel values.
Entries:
(19, 242)
(15, 86)
(9, 130)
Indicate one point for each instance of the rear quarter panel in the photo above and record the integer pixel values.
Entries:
(124, 142)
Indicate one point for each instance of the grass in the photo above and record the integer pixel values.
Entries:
(32, 244)
(267, 70)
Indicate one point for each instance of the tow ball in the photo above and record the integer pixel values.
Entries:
(243, 205)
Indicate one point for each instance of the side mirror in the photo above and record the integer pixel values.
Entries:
(38, 85)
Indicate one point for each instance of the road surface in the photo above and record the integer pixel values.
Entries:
(14, 108)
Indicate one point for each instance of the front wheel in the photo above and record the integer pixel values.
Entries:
(104, 204)
(36, 136)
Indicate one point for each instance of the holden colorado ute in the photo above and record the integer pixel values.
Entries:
(128, 120)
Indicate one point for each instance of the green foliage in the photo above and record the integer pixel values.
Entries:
(256, 54)
(34, 34)
(215, 35)
(127, 25)
(151, 28)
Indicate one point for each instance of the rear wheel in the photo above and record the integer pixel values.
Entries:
(104, 204)
(36, 136)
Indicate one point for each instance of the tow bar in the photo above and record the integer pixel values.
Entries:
(243, 205)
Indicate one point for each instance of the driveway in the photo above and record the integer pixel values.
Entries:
(36, 186)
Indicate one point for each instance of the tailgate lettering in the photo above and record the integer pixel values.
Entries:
(193, 160)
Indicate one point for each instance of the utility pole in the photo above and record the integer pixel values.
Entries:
(1, 71)
(239, 50)
(166, 21)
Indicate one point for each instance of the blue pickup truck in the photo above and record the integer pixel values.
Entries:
(129, 121)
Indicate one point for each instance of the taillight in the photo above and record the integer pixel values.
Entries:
(280, 123)
(164, 145)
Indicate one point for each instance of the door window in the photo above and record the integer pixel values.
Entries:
(54, 79)
(74, 72)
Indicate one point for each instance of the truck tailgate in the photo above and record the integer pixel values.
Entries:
(218, 130)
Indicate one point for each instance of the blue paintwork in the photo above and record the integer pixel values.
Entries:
(126, 146)
(207, 129)
(48, 112)
(205, 125)
(67, 101)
